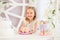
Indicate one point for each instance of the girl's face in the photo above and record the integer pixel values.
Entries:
(30, 14)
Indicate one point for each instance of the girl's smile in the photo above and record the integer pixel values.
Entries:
(30, 14)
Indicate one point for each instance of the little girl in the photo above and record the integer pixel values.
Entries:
(29, 24)
(44, 28)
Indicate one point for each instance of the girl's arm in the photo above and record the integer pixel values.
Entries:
(22, 27)
(35, 27)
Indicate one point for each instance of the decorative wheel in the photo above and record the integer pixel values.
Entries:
(14, 10)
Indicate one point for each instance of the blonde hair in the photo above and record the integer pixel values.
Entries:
(34, 12)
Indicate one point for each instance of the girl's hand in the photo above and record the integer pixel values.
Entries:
(22, 28)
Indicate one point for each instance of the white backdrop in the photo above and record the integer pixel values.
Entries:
(41, 7)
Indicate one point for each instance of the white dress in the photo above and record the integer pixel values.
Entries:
(29, 26)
